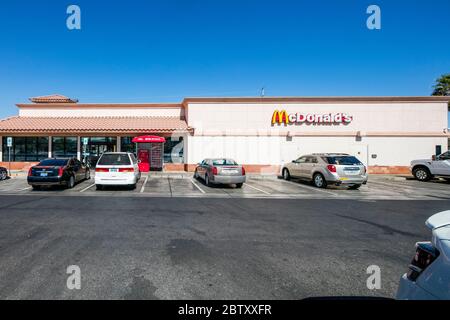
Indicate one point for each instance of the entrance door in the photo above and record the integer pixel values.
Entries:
(144, 160)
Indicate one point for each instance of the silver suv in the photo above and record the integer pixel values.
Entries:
(437, 166)
(327, 168)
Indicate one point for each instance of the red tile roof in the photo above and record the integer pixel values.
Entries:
(54, 98)
(37, 125)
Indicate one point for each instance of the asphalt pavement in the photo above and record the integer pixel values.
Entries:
(133, 247)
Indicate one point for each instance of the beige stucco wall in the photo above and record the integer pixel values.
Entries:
(79, 111)
(276, 150)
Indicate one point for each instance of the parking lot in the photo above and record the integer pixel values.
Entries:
(175, 238)
(184, 185)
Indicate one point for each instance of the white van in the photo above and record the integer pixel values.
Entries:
(117, 168)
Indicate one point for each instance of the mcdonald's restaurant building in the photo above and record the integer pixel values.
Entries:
(385, 133)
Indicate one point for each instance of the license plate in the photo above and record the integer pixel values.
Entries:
(352, 173)
(230, 171)
(113, 170)
(44, 174)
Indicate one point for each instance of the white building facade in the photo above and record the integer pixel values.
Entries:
(385, 133)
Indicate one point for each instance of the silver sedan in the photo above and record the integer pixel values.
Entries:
(220, 171)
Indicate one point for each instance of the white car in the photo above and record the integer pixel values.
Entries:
(427, 169)
(429, 272)
(117, 168)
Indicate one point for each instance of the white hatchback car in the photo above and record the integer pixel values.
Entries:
(429, 272)
(117, 168)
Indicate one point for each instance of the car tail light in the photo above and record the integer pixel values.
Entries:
(61, 171)
(331, 168)
(214, 171)
(126, 170)
(426, 253)
(243, 171)
(101, 170)
(30, 172)
(365, 169)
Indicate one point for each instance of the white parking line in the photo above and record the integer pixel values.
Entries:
(256, 188)
(28, 188)
(197, 186)
(87, 188)
(143, 185)
(298, 184)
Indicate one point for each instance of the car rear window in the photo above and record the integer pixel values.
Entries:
(343, 160)
(224, 162)
(53, 163)
(114, 160)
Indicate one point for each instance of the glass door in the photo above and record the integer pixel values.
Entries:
(96, 147)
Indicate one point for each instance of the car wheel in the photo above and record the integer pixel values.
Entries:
(207, 182)
(286, 174)
(239, 185)
(98, 187)
(3, 175)
(422, 174)
(71, 182)
(133, 186)
(354, 187)
(319, 181)
(88, 175)
(36, 188)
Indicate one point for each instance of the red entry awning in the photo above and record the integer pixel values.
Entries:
(149, 139)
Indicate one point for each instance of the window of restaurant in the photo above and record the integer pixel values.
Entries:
(127, 145)
(174, 150)
(91, 152)
(26, 149)
(64, 147)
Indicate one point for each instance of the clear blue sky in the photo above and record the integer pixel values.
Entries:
(161, 51)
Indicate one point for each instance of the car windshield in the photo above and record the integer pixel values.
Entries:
(343, 160)
(224, 162)
(114, 160)
(53, 163)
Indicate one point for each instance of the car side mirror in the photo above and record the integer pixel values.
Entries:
(433, 157)
(294, 161)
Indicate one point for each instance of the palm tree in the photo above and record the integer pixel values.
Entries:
(442, 86)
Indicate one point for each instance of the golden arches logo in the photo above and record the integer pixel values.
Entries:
(280, 117)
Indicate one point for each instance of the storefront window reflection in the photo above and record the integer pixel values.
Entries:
(91, 152)
(26, 149)
(174, 150)
(64, 147)
(127, 145)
